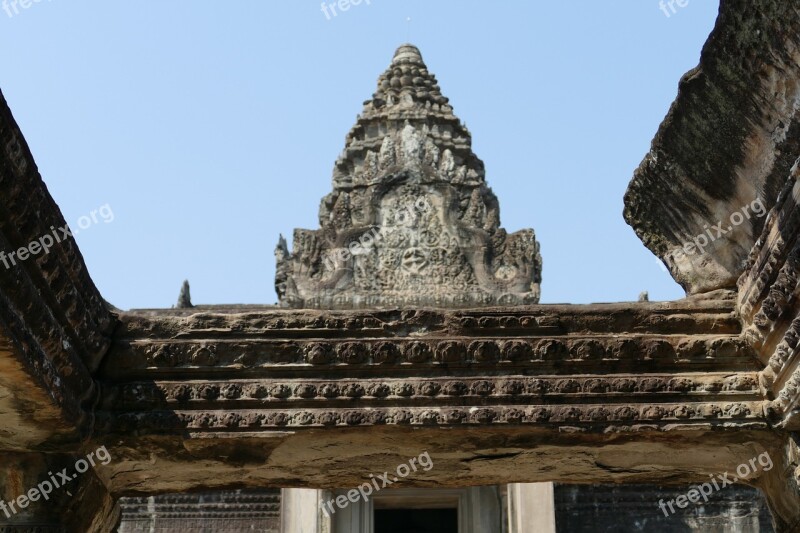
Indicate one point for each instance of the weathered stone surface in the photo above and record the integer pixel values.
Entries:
(278, 369)
(781, 486)
(54, 326)
(730, 138)
(498, 395)
(462, 456)
(770, 311)
(237, 397)
(410, 221)
(81, 505)
(768, 301)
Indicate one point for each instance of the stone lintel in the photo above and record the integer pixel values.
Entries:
(335, 458)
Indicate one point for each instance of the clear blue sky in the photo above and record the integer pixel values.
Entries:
(211, 127)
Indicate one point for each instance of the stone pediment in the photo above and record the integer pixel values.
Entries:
(410, 220)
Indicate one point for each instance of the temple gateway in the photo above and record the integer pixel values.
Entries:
(409, 380)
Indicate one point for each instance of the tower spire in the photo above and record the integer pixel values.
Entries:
(410, 220)
(408, 99)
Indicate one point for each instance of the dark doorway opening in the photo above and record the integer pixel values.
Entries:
(416, 521)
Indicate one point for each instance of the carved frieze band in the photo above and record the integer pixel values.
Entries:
(644, 416)
(196, 356)
(715, 317)
(224, 395)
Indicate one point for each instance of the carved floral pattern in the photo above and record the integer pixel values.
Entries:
(374, 352)
(476, 388)
(579, 415)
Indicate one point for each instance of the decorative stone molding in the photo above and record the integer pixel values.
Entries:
(768, 299)
(685, 336)
(770, 310)
(486, 352)
(585, 367)
(587, 418)
(259, 392)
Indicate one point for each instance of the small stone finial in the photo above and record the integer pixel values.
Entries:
(282, 258)
(644, 296)
(407, 52)
(282, 249)
(185, 298)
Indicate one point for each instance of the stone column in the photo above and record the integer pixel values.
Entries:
(301, 511)
(531, 508)
(485, 510)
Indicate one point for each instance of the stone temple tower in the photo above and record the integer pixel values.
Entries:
(411, 220)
